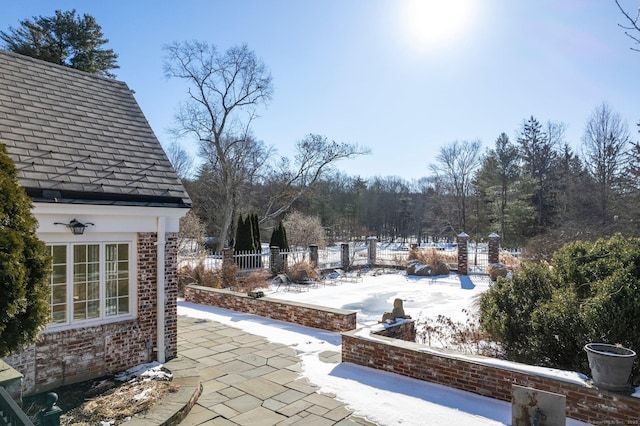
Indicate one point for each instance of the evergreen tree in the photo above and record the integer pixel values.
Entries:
(538, 156)
(255, 228)
(495, 181)
(24, 265)
(279, 237)
(65, 39)
(244, 235)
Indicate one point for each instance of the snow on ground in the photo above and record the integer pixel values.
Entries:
(422, 296)
(384, 398)
(151, 370)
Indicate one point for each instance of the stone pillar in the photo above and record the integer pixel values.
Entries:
(494, 248)
(344, 256)
(371, 253)
(463, 257)
(227, 256)
(11, 381)
(275, 260)
(313, 255)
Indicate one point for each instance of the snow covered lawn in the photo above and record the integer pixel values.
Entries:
(423, 297)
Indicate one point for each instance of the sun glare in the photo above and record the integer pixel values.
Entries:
(431, 24)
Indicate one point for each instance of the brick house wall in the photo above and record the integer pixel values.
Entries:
(337, 320)
(479, 375)
(78, 354)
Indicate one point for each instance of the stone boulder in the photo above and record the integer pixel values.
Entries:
(415, 267)
(496, 270)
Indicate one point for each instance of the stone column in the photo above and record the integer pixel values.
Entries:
(11, 381)
(227, 256)
(275, 260)
(371, 253)
(463, 257)
(494, 248)
(313, 255)
(344, 256)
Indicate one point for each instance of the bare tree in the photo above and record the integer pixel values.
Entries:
(225, 90)
(604, 144)
(315, 156)
(632, 29)
(192, 234)
(456, 166)
(180, 159)
(303, 230)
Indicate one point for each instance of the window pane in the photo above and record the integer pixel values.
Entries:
(58, 294)
(59, 254)
(93, 271)
(79, 311)
(79, 253)
(58, 284)
(123, 305)
(111, 252)
(111, 307)
(93, 291)
(93, 253)
(123, 251)
(118, 278)
(93, 309)
(79, 292)
(79, 273)
(112, 289)
(59, 274)
(59, 314)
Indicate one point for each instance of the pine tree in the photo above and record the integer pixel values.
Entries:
(24, 265)
(279, 237)
(65, 39)
(539, 163)
(255, 227)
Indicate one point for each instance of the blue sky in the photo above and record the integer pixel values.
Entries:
(400, 77)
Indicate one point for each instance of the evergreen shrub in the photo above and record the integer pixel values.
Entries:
(588, 292)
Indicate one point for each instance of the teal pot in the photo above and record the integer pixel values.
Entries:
(610, 365)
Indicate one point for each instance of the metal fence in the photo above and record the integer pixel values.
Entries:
(10, 413)
(332, 257)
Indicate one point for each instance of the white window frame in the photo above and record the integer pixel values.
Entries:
(129, 239)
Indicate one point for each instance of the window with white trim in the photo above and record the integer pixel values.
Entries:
(90, 281)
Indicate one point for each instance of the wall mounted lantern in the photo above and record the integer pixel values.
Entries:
(77, 228)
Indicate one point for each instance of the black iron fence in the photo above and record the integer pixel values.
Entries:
(10, 413)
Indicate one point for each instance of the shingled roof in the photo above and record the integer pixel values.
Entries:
(80, 138)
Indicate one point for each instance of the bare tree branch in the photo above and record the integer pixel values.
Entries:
(634, 25)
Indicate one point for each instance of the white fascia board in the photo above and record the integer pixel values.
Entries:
(105, 219)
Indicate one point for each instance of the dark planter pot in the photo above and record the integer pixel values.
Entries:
(610, 365)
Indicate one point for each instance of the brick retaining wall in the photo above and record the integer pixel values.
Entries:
(480, 375)
(337, 320)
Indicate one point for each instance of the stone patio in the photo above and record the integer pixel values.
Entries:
(248, 380)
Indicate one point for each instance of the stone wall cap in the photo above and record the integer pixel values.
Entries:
(8, 373)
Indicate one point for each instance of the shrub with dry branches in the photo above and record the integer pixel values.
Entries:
(435, 262)
(199, 274)
(464, 337)
(510, 261)
(253, 281)
(302, 270)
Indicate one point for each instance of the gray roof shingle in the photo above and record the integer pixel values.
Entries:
(80, 138)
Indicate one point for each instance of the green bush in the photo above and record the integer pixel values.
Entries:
(589, 292)
(24, 265)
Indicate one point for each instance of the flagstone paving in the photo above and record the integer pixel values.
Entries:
(250, 381)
